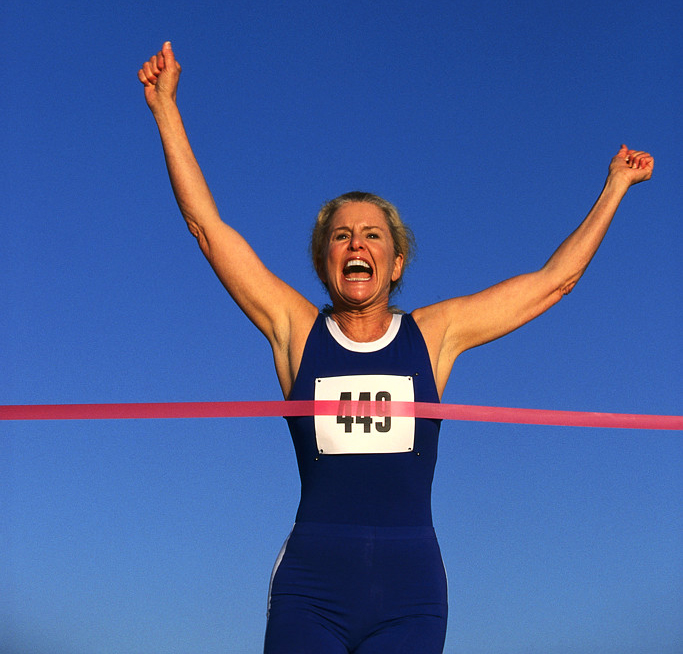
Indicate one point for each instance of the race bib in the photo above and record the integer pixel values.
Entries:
(364, 424)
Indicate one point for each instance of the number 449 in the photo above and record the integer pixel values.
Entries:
(363, 412)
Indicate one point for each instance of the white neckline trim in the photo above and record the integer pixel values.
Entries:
(372, 346)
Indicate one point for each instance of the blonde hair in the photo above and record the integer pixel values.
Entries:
(404, 241)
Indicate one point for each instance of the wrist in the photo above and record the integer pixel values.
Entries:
(617, 183)
(163, 107)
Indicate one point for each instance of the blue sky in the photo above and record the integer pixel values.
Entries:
(490, 125)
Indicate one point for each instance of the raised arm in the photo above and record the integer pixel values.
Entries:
(456, 325)
(281, 313)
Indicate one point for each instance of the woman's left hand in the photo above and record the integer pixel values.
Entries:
(633, 166)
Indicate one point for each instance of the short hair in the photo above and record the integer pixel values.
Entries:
(401, 234)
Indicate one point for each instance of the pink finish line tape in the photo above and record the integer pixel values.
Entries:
(331, 407)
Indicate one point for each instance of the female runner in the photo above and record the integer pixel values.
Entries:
(361, 570)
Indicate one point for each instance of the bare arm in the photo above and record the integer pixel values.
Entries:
(281, 313)
(456, 325)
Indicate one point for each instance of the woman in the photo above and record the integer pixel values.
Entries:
(361, 571)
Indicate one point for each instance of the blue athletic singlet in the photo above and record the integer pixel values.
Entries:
(361, 571)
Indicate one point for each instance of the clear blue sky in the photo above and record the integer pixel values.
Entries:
(491, 126)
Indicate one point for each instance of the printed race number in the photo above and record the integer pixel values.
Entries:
(364, 424)
(363, 414)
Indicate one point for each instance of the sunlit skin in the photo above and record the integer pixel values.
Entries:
(359, 232)
(360, 262)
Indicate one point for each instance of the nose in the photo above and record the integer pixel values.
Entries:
(356, 241)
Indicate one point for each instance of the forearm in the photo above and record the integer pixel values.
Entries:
(187, 180)
(461, 323)
(571, 259)
(472, 320)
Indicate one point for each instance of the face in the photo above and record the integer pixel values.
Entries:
(360, 263)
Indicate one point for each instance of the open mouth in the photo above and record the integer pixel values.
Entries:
(357, 270)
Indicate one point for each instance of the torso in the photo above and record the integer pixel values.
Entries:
(371, 470)
(288, 356)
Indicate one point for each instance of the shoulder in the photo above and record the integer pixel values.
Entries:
(443, 319)
(433, 326)
(433, 320)
(288, 346)
(437, 323)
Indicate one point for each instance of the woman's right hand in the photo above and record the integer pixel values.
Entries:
(160, 76)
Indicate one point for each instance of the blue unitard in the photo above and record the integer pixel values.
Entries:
(361, 570)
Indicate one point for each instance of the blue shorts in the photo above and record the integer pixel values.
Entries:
(346, 588)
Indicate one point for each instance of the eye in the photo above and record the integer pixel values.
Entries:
(373, 235)
(340, 236)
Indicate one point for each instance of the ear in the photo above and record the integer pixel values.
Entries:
(320, 271)
(398, 268)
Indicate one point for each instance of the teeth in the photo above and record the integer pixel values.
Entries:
(357, 270)
(358, 263)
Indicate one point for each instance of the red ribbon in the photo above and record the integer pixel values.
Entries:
(330, 407)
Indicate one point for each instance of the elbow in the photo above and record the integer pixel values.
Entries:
(561, 284)
(558, 292)
(194, 229)
(199, 234)
(567, 288)
(569, 283)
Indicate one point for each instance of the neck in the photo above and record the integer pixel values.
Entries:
(363, 326)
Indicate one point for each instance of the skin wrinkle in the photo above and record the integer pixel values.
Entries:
(369, 229)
